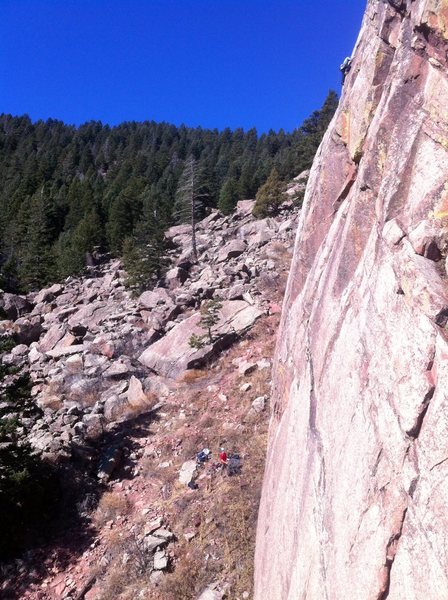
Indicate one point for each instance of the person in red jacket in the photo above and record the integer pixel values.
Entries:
(223, 457)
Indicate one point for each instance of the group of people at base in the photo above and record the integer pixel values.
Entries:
(229, 462)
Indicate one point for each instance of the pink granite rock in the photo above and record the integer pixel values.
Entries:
(172, 354)
(356, 488)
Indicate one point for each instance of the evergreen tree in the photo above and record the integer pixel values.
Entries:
(269, 196)
(144, 253)
(190, 196)
(228, 196)
(36, 260)
(73, 249)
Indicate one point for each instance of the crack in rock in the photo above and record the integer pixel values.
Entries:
(391, 551)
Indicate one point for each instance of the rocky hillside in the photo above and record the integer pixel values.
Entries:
(355, 489)
(124, 402)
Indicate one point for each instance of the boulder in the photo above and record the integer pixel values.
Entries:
(236, 292)
(151, 543)
(244, 208)
(103, 345)
(176, 277)
(188, 472)
(50, 398)
(65, 351)
(119, 369)
(20, 350)
(14, 306)
(212, 592)
(94, 426)
(48, 294)
(231, 250)
(172, 354)
(257, 230)
(259, 404)
(137, 398)
(91, 315)
(160, 560)
(245, 367)
(117, 408)
(286, 226)
(423, 239)
(237, 316)
(74, 363)
(27, 330)
(153, 298)
(178, 230)
(54, 334)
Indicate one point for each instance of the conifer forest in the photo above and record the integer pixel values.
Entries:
(66, 190)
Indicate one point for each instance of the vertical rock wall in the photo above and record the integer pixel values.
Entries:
(355, 497)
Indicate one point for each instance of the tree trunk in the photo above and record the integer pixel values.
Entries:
(193, 220)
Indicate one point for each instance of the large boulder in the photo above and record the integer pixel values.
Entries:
(258, 232)
(231, 250)
(188, 472)
(176, 277)
(172, 354)
(48, 294)
(14, 306)
(137, 397)
(155, 297)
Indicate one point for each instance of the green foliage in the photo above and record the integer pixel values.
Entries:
(73, 248)
(144, 254)
(7, 343)
(299, 198)
(64, 189)
(29, 490)
(269, 196)
(228, 196)
(197, 341)
(209, 318)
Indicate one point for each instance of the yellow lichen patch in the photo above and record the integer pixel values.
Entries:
(345, 126)
(381, 158)
(437, 17)
(379, 58)
(441, 212)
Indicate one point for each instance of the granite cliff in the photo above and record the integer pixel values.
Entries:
(355, 489)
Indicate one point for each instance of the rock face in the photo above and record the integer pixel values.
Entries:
(356, 482)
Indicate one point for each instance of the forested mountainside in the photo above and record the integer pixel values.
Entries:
(65, 190)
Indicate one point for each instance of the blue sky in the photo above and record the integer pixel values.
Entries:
(214, 63)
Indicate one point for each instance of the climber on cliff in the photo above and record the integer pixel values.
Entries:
(345, 67)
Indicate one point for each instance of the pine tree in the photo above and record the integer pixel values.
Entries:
(209, 318)
(228, 196)
(269, 196)
(72, 248)
(190, 196)
(36, 260)
(144, 253)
